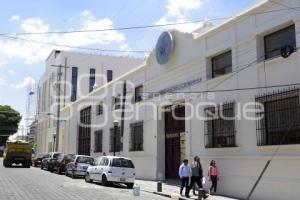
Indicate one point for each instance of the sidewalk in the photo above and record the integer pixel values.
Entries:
(169, 187)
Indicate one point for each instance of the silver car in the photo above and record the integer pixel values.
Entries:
(79, 166)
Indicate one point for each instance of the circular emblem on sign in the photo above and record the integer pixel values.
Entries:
(164, 47)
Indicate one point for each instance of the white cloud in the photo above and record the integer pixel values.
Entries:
(2, 82)
(27, 81)
(177, 11)
(179, 7)
(87, 13)
(32, 52)
(14, 18)
(11, 72)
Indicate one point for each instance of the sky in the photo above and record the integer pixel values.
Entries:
(23, 62)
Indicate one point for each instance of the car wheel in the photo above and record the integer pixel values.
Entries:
(87, 178)
(130, 185)
(104, 181)
(66, 173)
(47, 167)
(59, 170)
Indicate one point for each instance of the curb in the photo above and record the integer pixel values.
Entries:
(167, 195)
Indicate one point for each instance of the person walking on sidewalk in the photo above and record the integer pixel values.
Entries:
(213, 175)
(184, 174)
(197, 174)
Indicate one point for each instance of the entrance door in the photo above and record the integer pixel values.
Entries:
(84, 135)
(173, 139)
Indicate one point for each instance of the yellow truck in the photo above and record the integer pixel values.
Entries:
(17, 152)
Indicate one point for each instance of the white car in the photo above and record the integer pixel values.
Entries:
(111, 169)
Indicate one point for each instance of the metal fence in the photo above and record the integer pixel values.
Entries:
(279, 120)
(220, 126)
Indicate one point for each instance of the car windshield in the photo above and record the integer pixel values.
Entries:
(87, 160)
(40, 155)
(56, 155)
(122, 162)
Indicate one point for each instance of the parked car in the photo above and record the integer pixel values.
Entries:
(60, 165)
(111, 169)
(79, 166)
(37, 159)
(47, 162)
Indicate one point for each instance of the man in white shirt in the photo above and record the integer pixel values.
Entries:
(184, 173)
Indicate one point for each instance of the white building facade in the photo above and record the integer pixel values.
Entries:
(230, 95)
(77, 74)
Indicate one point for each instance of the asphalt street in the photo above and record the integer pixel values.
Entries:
(18, 183)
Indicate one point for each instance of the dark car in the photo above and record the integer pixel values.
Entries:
(37, 159)
(60, 164)
(47, 162)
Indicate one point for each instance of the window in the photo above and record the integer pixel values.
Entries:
(220, 126)
(98, 141)
(276, 41)
(136, 137)
(92, 79)
(109, 75)
(221, 64)
(116, 143)
(56, 53)
(87, 160)
(100, 109)
(279, 122)
(117, 102)
(104, 161)
(138, 94)
(122, 162)
(74, 83)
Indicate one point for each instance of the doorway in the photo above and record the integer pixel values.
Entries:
(174, 139)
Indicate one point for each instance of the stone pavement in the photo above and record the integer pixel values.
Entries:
(35, 184)
(169, 187)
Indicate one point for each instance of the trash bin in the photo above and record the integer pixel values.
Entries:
(159, 186)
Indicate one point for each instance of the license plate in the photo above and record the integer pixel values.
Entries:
(19, 159)
(122, 179)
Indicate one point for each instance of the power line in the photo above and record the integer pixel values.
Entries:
(76, 47)
(145, 26)
(286, 6)
(230, 90)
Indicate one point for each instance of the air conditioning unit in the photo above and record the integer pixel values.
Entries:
(287, 50)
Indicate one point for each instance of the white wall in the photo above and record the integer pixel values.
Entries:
(84, 62)
(239, 166)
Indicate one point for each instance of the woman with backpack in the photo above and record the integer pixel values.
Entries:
(213, 175)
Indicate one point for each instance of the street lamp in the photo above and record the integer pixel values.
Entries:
(116, 125)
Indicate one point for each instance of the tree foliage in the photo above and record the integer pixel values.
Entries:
(9, 121)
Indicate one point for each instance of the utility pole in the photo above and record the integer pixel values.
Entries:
(123, 110)
(58, 92)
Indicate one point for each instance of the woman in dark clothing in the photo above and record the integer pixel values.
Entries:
(197, 174)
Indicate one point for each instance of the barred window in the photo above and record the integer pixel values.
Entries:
(138, 94)
(220, 126)
(279, 121)
(115, 140)
(100, 109)
(98, 141)
(117, 102)
(136, 136)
